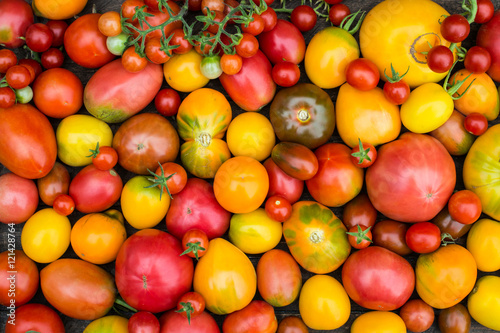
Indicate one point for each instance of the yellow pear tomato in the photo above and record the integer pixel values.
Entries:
(484, 302)
(378, 322)
(183, 72)
(58, 9)
(483, 242)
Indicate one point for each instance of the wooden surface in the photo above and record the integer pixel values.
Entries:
(76, 326)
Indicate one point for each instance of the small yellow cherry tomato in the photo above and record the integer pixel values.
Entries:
(183, 73)
(58, 9)
(378, 322)
(484, 302)
(483, 242)
(115, 324)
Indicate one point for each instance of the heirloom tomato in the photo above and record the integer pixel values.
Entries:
(464, 206)
(183, 73)
(481, 168)
(282, 184)
(295, 160)
(448, 225)
(292, 324)
(488, 36)
(278, 208)
(18, 198)
(483, 242)
(225, 277)
(35, 318)
(378, 321)
(316, 237)
(256, 317)
(423, 237)
(446, 276)
(392, 236)
(484, 302)
(202, 120)
(172, 176)
(453, 136)
(283, 43)
(303, 114)
(115, 324)
(15, 17)
(455, 319)
(173, 322)
(143, 322)
(58, 9)
(399, 33)
(16, 268)
(366, 115)
(54, 183)
(417, 315)
(323, 303)
(359, 211)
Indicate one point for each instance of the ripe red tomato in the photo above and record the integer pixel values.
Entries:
(154, 52)
(278, 208)
(440, 59)
(363, 155)
(167, 102)
(284, 41)
(248, 46)
(195, 243)
(58, 28)
(256, 317)
(476, 123)
(7, 97)
(231, 63)
(338, 13)
(477, 60)
(190, 305)
(142, 322)
(282, 184)
(485, 10)
(423, 237)
(455, 28)
(132, 61)
(64, 204)
(18, 77)
(360, 236)
(178, 38)
(270, 19)
(16, 16)
(104, 158)
(173, 322)
(33, 64)
(25, 278)
(7, 59)
(285, 74)
(304, 17)
(35, 317)
(417, 315)
(255, 27)
(172, 177)
(362, 74)
(465, 206)
(39, 37)
(52, 58)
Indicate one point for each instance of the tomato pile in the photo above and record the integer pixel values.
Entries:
(249, 166)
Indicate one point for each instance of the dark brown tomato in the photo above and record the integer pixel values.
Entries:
(292, 324)
(448, 225)
(391, 235)
(54, 183)
(417, 315)
(359, 211)
(295, 160)
(454, 320)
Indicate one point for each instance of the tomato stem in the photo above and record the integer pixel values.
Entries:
(94, 152)
(361, 235)
(363, 153)
(395, 75)
(193, 248)
(445, 242)
(470, 10)
(160, 180)
(349, 20)
(452, 88)
(119, 301)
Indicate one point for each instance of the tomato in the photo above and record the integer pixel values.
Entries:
(270, 19)
(364, 155)
(446, 276)
(279, 278)
(7, 59)
(362, 74)
(7, 97)
(337, 13)
(109, 23)
(316, 237)
(143, 322)
(247, 46)
(475, 123)
(78, 289)
(357, 110)
(225, 278)
(282, 184)
(34, 317)
(396, 92)
(183, 72)
(155, 18)
(480, 170)
(303, 114)
(38, 37)
(18, 270)
(488, 37)
(485, 11)
(104, 158)
(464, 207)
(113, 94)
(283, 43)
(154, 53)
(167, 102)
(85, 44)
(132, 62)
(251, 134)
(97, 237)
(359, 211)
(483, 243)
(454, 319)
(338, 180)
(423, 237)
(58, 28)
(477, 60)
(391, 235)
(190, 305)
(295, 160)
(16, 16)
(196, 207)
(304, 17)
(375, 321)
(323, 303)
(447, 225)
(413, 171)
(33, 64)
(77, 134)
(142, 203)
(453, 135)
(114, 324)
(417, 315)
(292, 324)
(254, 232)
(440, 59)
(173, 322)
(286, 74)
(58, 9)
(359, 236)
(117, 44)
(483, 302)
(231, 63)
(195, 244)
(54, 183)
(171, 177)
(140, 281)
(18, 77)
(18, 198)
(278, 208)
(64, 204)
(52, 58)
(255, 27)
(256, 317)
(95, 190)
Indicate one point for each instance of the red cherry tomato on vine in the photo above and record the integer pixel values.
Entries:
(440, 59)
(104, 158)
(33, 64)
(195, 243)
(7, 97)
(475, 123)
(338, 13)
(362, 74)
(173, 176)
(255, 27)
(423, 237)
(52, 58)
(248, 46)
(278, 208)
(485, 11)
(270, 19)
(477, 60)
(128, 8)
(64, 204)
(39, 37)
(231, 63)
(167, 102)
(304, 17)
(178, 39)
(285, 74)
(18, 77)
(455, 28)
(363, 155)
(396, 92)
(190, 305)
(132, 61)
(465, 206)
(58, 29)
(154, 53)
(359, 236)
(7, 59)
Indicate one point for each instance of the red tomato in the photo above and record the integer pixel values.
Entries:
(7, 59)
(337, 13)
(16, 16)
(417, 315)
(455, 28)
(392, 236)
(270, 19)
(104, 158)
(18, 287)
(476, 123)
(488, 36)
(34, 317)
(167, 102)
(283, 43)
(143, 322)
(423, 237)
(304, 17)
(477, 60)
(18, 77)
(396, 92)
(440, 59)
(465, 207)
(7, 97)
(33, 64)
(190, 305)
(256, 317)
(231, 63)
(154, 53)
(194, 243)
(282, 184)
(485, 10)
(278, 208)
(18, 198)
(52, 58)
(285, 74)
(58, 28)
(54, 183)
(363, 155)
(172, 177)
(360, 236)
(178, 38)
(359, 211)
(292, 324)
(173, 322)
(362, 74)
(255, 27)
(248, 46)
(64, 204)
(132, 61)
(39, 37)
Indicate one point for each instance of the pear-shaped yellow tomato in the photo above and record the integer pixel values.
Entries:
(254, 232)
(453, 135)
(378, 322)
(481, 97)
(108, 324)
(323, 303)
(366, 115)
(183, 72)
(397, 32)
(484, 302)
(58, 9)
(483, 241)
(251, 134)
(327, 56)
(225, 277)
(77, 134)
(446, 276)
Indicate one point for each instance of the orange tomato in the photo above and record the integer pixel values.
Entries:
(58, 9)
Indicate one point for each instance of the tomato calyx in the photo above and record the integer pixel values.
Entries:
(94, 152)
(447, 239)
(322, 6)
(160, 180)
(193, 248)
(187, 308)
(395, 77)
(349, 20)
(362, 154)
(361, 235)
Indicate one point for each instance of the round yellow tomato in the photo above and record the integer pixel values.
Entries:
(143, 206)
(323, 303)
(58, 9)
(183, 73)
(79, 133)
(484, 302)
(254, 232)
(251, 134)
(97, 238)
(397, 32)
(225, 277)
(46, 236)
(483, 242)
(241, 184)
(378, 322)
(115, 324)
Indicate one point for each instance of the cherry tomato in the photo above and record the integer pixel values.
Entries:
(7, 59)
(338, 13)
(278, 208)
(178, 39)
(270, 19)
(172, 177)
(212, 5)
(391, 235)
(477, 60)
(359, 236)
(423, 237)
(440, 59)
(39, 37)
(333, 2)
(285, 74)
(109, 24)
(304, 17)
(104, 158)
(33, 64)
(52, 58)
(18, 77)
(396, 90)
(464, 206)
(255, 27)
(190, 305)
(417, 315)
(167, 102)
(292, 324)
(455, 28)
(218, 17)
(7, 97)
(143, 321)
(58, 29)
(154, 52)
(210, 67)
(363, 155)
(31, 70)
(132, 61)
(476, 123)
(485, 10)
(362, 74)
(24, 95)
(128, 8)
(64, 204)
(231, 63)
(195, 243)
(248, 46)
(194, 5)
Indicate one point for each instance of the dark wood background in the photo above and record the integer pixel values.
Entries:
(76, 326)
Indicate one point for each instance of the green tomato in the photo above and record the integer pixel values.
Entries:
(210, 67)
(24, 95)
(117, 44)
(108, 324)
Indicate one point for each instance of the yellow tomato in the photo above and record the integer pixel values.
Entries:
(251, 134)
(484, 302)
(366, 115)
(97, 238)
(225, 277)
(114, 324)
(483, 242)
(58, 9)
(79, 133)
(142, 205)
(241, 184)
(183, 73)
(397, 32)
(378, 322)
(46, 236)
(254, 232)
(323, 303)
